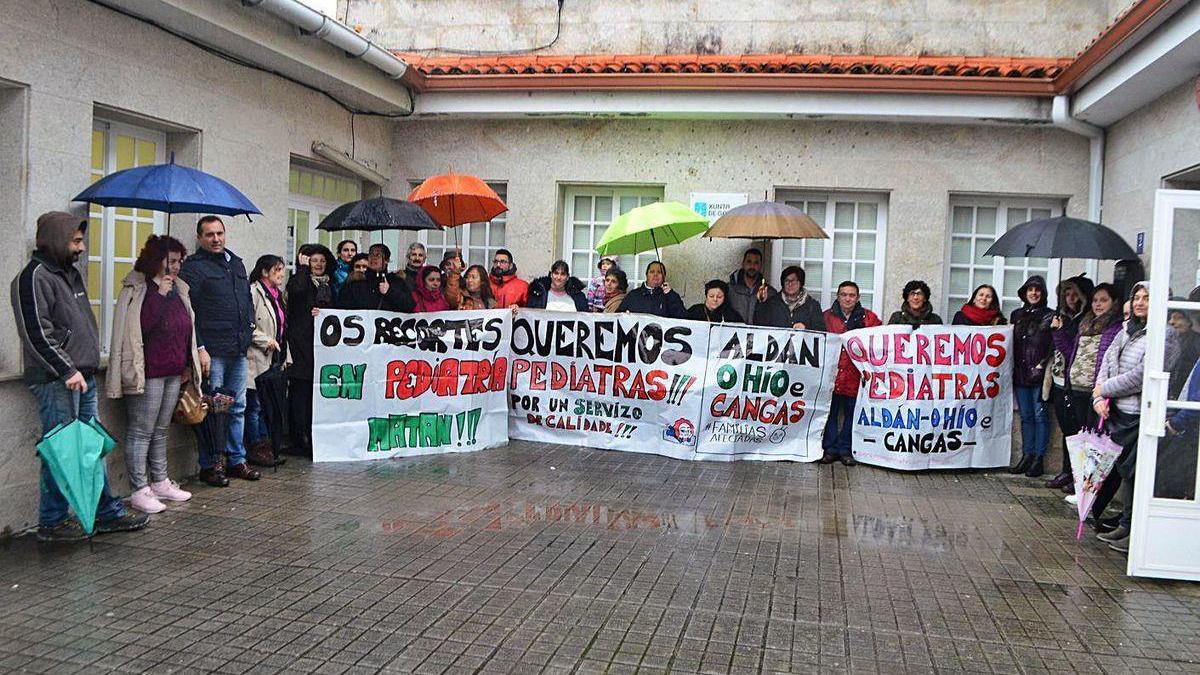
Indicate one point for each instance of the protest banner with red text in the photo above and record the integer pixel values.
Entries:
(628, 382)
(399, 385)
(937, 397)
(766, 393)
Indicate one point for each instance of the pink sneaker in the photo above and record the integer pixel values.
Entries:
(169, 490)
(144, 500)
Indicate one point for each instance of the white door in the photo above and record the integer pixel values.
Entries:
(1165, 542)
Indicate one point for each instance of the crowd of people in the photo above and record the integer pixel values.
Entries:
(182, 318)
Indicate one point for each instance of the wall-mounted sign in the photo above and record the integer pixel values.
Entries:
(713, 205)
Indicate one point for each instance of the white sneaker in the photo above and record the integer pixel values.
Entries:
(144, 500)
(169, 490)
(1073, 500)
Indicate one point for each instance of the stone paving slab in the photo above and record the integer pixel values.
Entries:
(537, 558)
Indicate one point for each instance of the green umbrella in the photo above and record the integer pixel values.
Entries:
(650, 226)
(75, 452)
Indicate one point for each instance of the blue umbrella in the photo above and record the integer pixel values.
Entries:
(169, 188)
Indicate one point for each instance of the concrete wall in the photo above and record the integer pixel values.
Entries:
(1158, 140)
(64, 58)
(967, 27)
(919, 166)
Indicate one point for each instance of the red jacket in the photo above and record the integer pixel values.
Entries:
(509, 291)
(848, 377)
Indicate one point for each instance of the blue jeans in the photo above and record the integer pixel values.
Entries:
(57, 405)
(1035, 426)
(228, 373)
(256, 421)
(839, 437)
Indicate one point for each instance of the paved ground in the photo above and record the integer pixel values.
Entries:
(534, 558)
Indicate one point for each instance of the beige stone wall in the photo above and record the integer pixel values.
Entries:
(1157, 141)
(917, 166)
(961, 27)
(65, 57)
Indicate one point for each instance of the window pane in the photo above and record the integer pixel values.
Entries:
(97, 151)
(816, 211)
(579, 261)
(125, 155)
(868, 216)
(1040, 264)
(604, 209)
(962, 219)
(864, 275)
(1012, 281)
(94, 277)
(123, 240)
(583, 209)
(1038, 213)
(628, 204)
(864, 246)
(792, 249)
(1016, 217)
(147, 152)
(814, 275)
(120, 271)
(581, 238)
(843, 216)
(985, 220)
(960, 281)
(841, 272)
(293, 180)
(497, 234)
(842, 245)
(144, 230)
(960, 250)
(981, 247)
(867, 298)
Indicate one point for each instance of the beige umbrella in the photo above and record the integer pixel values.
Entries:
(766, 220)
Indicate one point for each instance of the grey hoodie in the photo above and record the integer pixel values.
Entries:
(58, 330)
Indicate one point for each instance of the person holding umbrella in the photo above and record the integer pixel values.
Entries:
(220, 293)
(1069, 399)
(60, 351)
(308, 292)
(153, 345)
(379, 289)
(716, 307)
(452, 281)
(792, 307)
(654, 296)
(748, 287)
(916, 310)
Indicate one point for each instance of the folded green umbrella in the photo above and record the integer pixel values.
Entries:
(74, 453)
(649, 227)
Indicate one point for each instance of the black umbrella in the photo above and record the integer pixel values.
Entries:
(271, 389)
(1061, 237)
(380, 213)
(212, 432)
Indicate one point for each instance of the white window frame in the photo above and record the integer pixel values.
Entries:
(826, 289)
(107, 256)
(633, 266)
(1002, 204)
(468, 236)
(316, 209)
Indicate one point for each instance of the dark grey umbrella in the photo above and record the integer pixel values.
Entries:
(380, 213)
(1061, 237)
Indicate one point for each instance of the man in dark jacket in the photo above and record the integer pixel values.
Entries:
(793, 307)
(415, 261)
(380, 289)
(747, 287)
(224, 312)
(60, 348)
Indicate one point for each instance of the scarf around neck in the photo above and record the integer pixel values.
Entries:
(793, 303)
(980, 317)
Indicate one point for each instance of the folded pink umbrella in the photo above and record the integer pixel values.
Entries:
(1093, 454)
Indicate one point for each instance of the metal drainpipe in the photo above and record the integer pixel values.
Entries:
(1060, 115)
(337, 34)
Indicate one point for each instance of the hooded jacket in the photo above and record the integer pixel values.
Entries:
(539, 293)
(425, 300)
(1032, 339)
(742, 299)
(126, 351)
(54, 318)
(509, 290)
(220, 292)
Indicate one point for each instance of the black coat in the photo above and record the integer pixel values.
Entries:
(724, 314)
(220, 294)
(365, 294)
(539, 293)
(302, 297)
(775, 313)
(642, 300)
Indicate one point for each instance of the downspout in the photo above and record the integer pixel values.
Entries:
(1060, 116)
(315, 23)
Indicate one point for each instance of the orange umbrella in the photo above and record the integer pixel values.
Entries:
(454, 199)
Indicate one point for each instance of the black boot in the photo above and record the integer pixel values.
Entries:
(1035, 468)
(1021, 466)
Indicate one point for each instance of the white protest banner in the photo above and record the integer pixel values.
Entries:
(937, 397)
(388, 385)
(766, 393)
(617, 381)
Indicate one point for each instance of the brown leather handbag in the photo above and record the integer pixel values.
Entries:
(191, 408)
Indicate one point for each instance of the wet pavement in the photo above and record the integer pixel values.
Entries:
(535, 558)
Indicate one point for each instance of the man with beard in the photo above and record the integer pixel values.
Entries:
(508, 290)
(747, 286)
(413, 264)
(60, 348)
